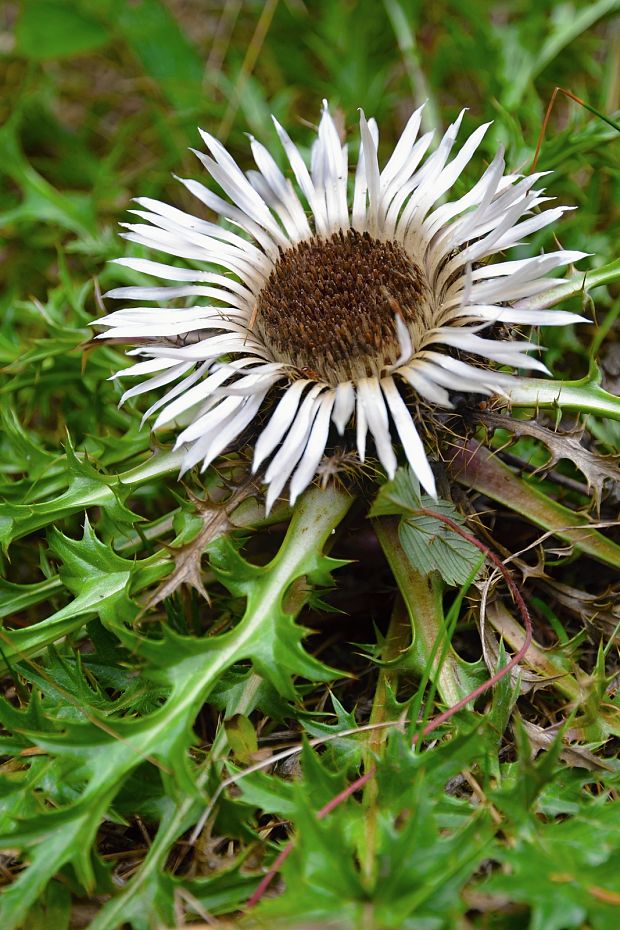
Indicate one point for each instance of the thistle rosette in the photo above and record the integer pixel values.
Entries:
(331, 309)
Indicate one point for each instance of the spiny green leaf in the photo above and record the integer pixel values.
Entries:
(267, 793)
(84, 491)
(100, 580)
(424, 853)
(108, 749)
(566, 871)
(87, 558)
(17, 597)
(275, 645)
(26, 453)
(54, 838)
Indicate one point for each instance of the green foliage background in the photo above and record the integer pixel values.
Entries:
(124, 704)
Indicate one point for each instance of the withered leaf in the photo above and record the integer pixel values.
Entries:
(561, 445)
(216, 522)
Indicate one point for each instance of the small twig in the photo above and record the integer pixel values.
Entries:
(582, 103)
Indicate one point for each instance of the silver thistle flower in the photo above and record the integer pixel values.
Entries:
(347, 311)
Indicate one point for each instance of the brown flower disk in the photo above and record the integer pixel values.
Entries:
(329, 305)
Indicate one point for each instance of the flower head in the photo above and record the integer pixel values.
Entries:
(334, 308)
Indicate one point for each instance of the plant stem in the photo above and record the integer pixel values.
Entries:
(583, 396)
(475, 467)
(543, 662)
(430, 647)
(396, 643)
(580, 283)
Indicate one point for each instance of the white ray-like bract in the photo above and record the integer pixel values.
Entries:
(334, 302)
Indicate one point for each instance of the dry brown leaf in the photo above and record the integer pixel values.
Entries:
(188, 558)
(571, 753)
(561, 445)
(601, 610)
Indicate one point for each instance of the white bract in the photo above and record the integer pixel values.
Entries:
(329, 308)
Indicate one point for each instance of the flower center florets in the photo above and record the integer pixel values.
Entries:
(329, 306)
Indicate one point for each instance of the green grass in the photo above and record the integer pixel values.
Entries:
(158, 748)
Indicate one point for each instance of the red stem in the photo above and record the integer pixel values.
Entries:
(440, 718)
(541, 136)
